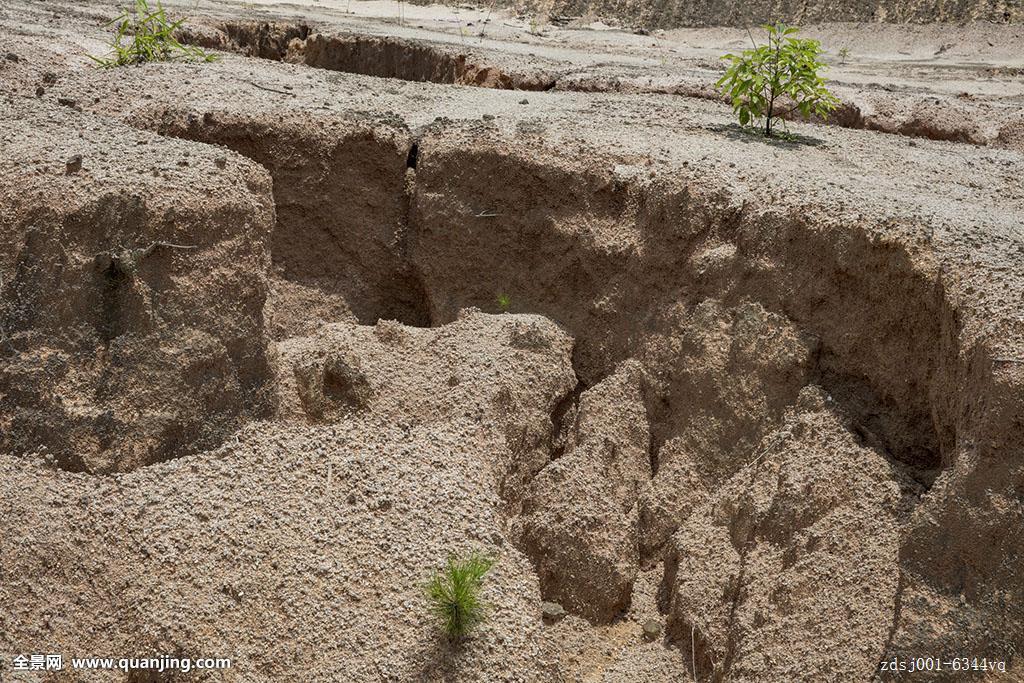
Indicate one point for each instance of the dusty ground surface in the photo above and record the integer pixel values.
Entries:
(279, 335)
(951, 82)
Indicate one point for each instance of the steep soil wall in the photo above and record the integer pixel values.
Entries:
(341, 205)
(382, 56)
(131, 315)
(607, 258)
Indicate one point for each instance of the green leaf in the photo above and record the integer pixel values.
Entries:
(785, 68)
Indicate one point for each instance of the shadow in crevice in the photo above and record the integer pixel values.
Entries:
(905, 439)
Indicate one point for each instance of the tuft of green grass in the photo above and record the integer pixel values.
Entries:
(504, 301)
(454, 595)
(147, 35)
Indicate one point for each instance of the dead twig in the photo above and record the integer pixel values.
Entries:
(784, 434)
(1008, 360)
(486, 20)
(269, 89)
(487, 214)
(693, 653)
(751, 35)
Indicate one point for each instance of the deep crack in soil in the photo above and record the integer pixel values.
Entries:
(382, 56)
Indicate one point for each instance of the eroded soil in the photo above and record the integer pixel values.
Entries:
(281, 332)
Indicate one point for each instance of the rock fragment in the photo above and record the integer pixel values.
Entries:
(552, 612)
(652, 630)
(579, 517)
(73, 164)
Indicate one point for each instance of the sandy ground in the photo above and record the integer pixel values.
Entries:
(937, 57)
(959, 83)
(276, 340)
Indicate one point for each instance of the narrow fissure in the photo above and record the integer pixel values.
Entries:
(562, 418)
(381, 56)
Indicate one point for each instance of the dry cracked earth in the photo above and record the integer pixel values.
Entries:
(281, 332)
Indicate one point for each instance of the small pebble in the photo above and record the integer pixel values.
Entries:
(652, 629)
(552, 612)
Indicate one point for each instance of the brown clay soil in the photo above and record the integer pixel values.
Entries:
(281, 332)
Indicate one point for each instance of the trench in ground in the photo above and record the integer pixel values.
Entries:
(392, 225)
(411, 245)
(407, 240)
(382, 56)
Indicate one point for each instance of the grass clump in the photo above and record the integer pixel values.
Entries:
(145, 35)
(773, 80)
(454, 595)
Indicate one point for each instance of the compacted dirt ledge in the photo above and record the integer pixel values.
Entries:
(920, 107)
(767, 396)
(943, 82)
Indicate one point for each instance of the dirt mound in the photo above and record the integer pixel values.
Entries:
(477, 368)
(332, 525)
(320, 540)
